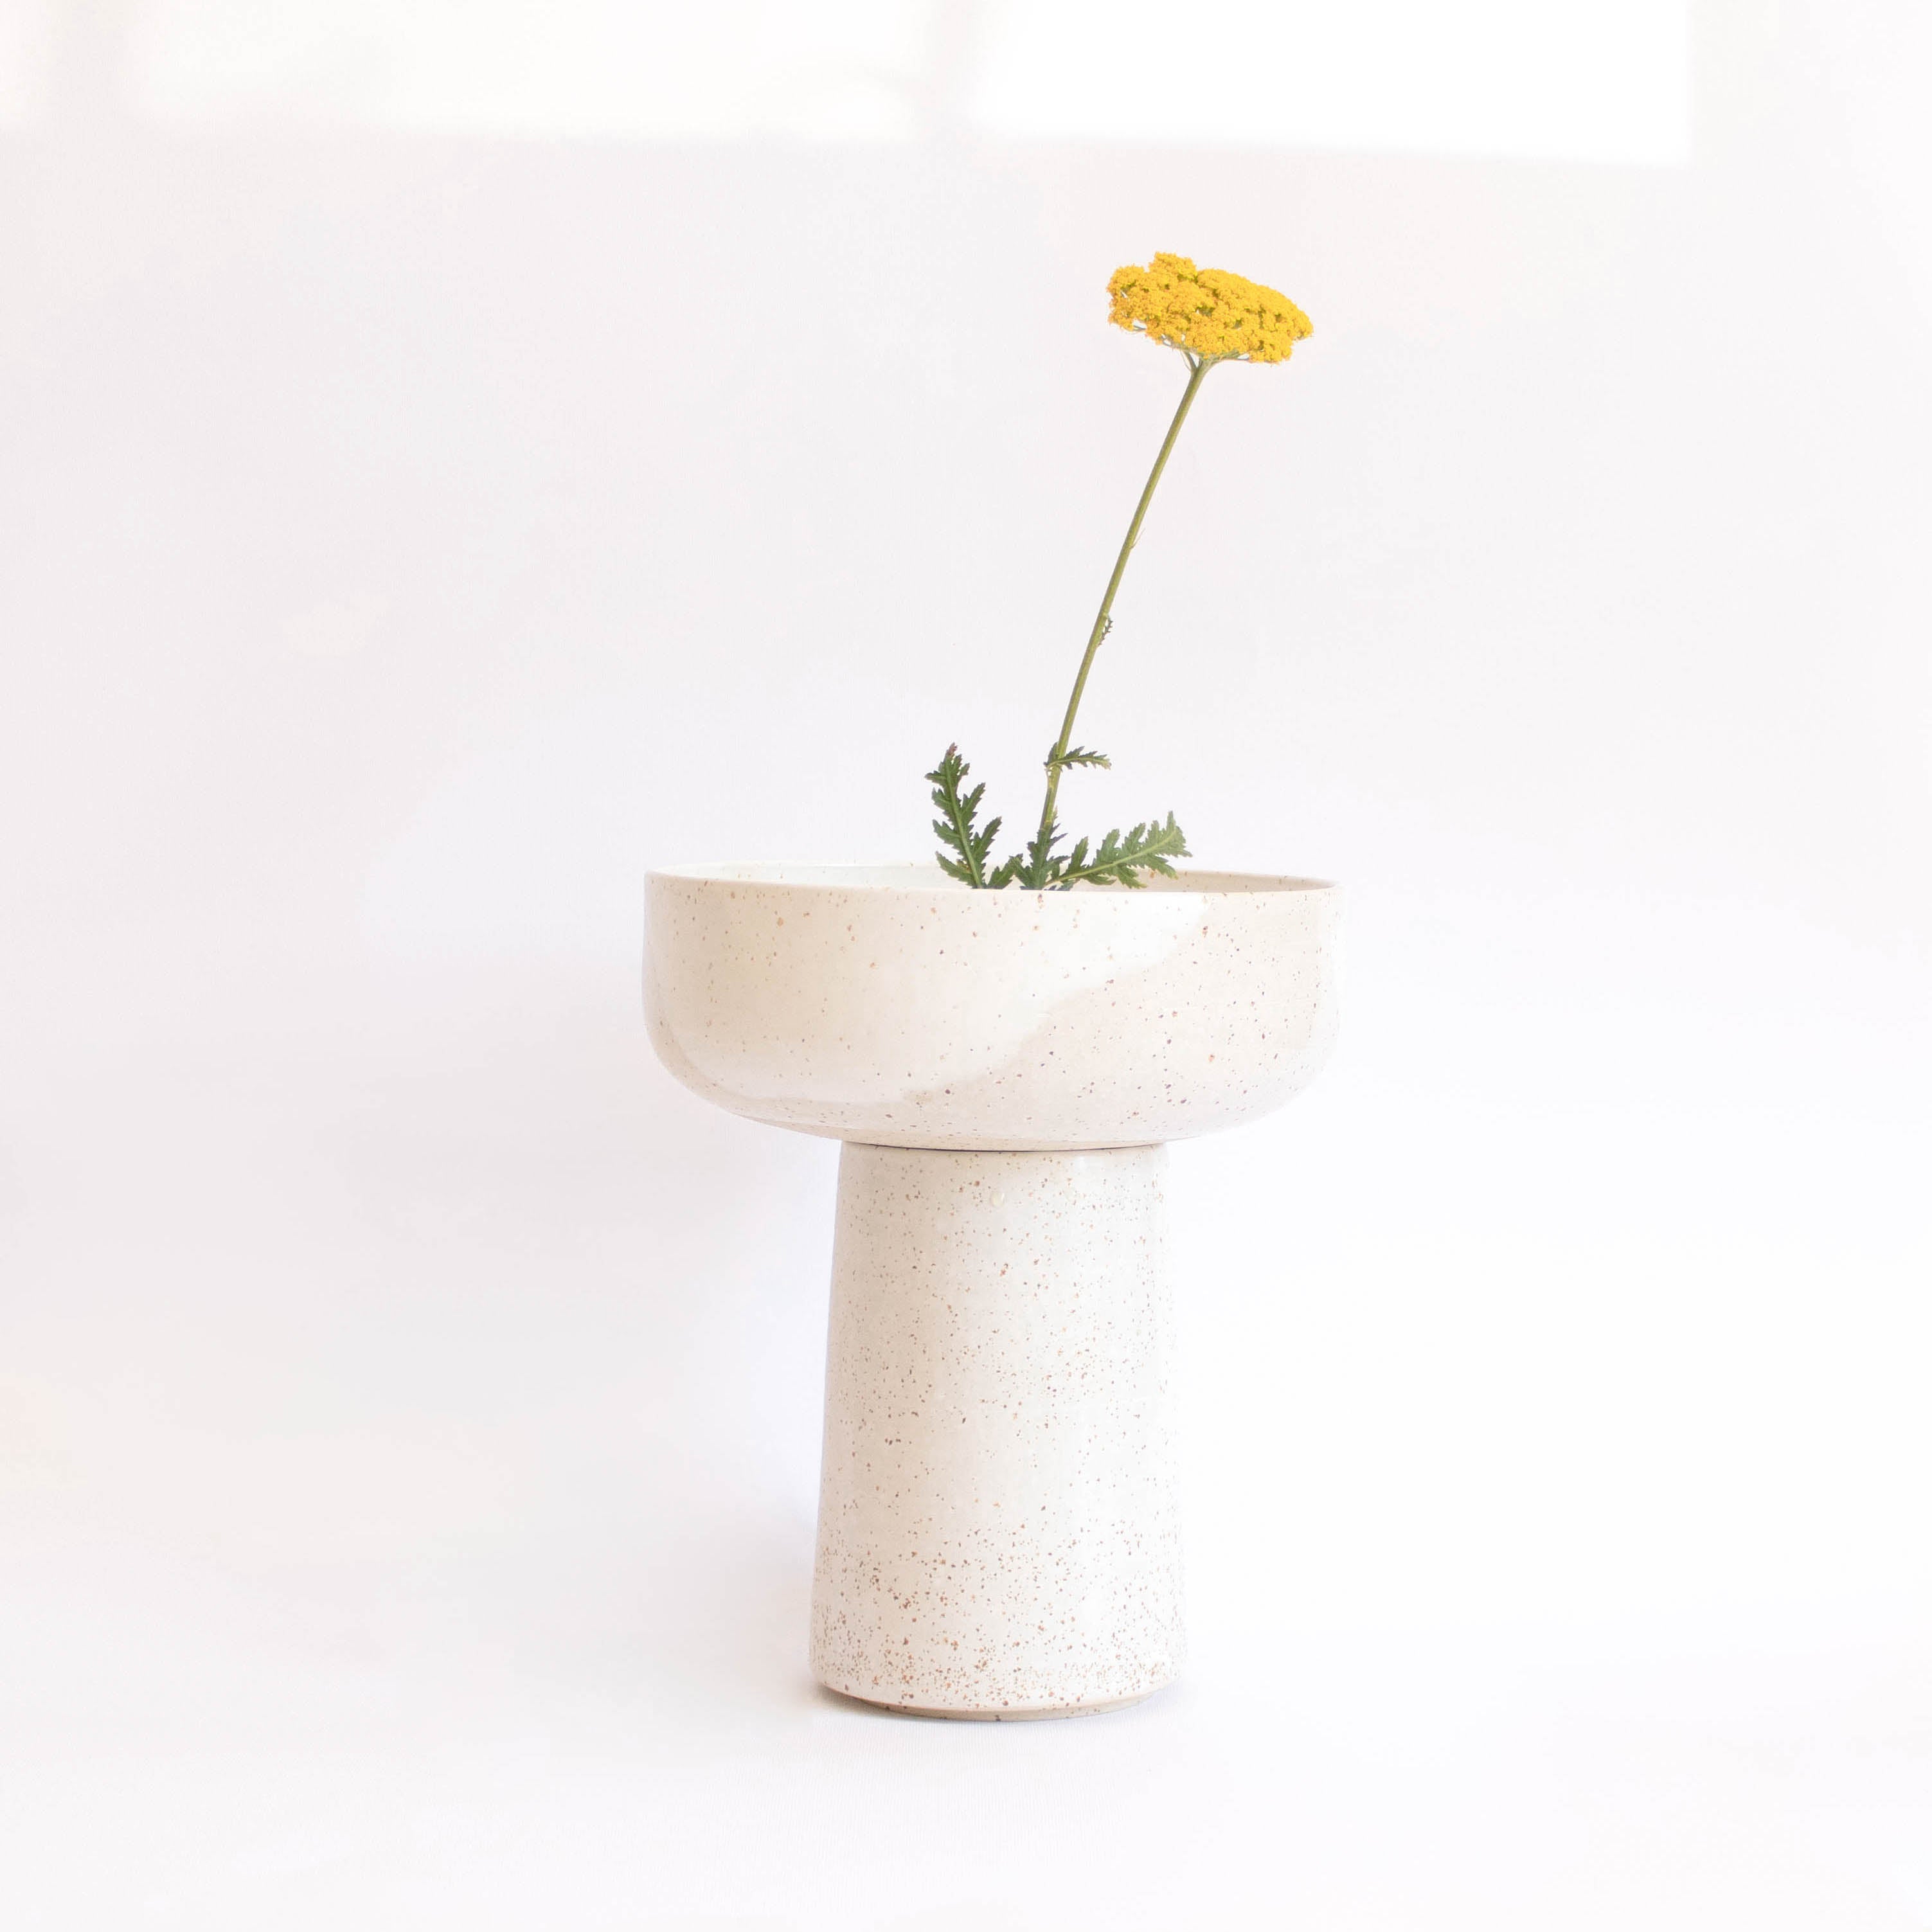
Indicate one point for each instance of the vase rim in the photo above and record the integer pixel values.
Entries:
(913, 880)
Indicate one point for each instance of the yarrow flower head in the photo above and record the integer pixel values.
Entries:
(1207, 313)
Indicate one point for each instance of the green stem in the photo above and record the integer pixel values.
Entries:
(1037, 874)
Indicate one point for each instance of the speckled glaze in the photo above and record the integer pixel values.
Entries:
(998, 1535)
(998, 1532)
(895, 1007)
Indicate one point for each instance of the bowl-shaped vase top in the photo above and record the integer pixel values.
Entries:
(893, 1005)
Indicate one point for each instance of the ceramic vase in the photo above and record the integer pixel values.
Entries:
(998, 1531)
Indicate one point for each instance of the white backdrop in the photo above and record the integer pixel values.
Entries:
(451, 459)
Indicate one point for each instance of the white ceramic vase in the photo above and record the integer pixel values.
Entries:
(998, 1535)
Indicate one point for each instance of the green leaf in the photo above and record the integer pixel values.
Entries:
(1041, 869)
(955, 828)
(1079, 755)
(1151, 847)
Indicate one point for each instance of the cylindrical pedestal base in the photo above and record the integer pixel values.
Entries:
(997, 1529)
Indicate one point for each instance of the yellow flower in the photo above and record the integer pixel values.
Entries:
(1206, 313)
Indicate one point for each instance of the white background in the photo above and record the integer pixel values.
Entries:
(454, 457)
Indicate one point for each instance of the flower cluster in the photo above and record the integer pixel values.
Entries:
(1206, 313)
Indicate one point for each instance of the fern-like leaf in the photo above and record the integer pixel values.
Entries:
(1151, 847)
(1078, 755)
(1041, 869)
(955, 828)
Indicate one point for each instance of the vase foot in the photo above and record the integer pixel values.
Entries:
(1000, 1717)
